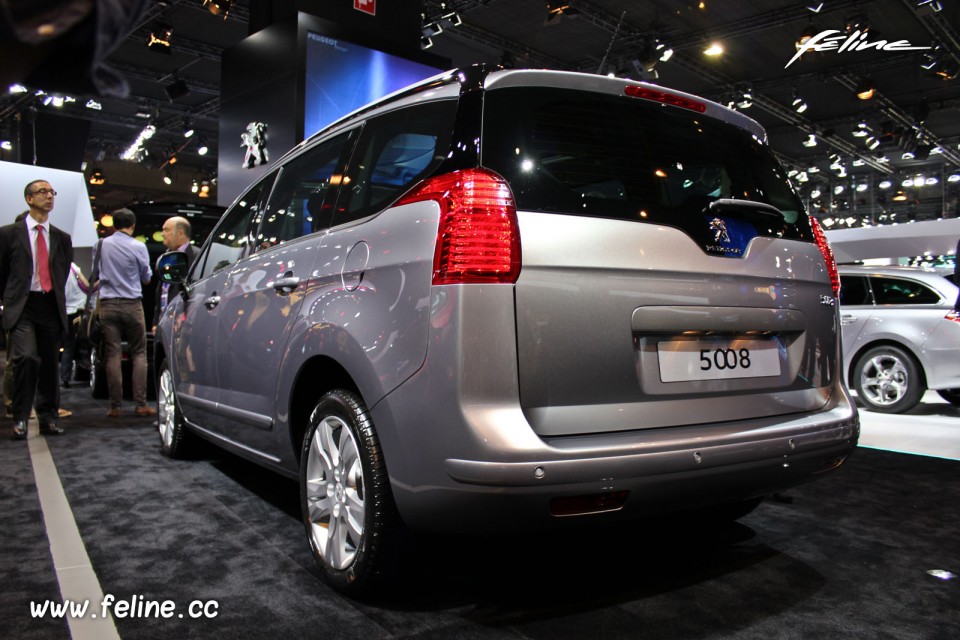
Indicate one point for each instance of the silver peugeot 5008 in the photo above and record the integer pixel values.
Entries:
(504, 300)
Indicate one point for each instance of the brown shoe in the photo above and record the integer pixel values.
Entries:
(113, 413)
(144, 411)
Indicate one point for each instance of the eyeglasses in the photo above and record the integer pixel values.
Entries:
(44, 192)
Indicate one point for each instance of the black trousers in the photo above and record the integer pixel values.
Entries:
(34, 354)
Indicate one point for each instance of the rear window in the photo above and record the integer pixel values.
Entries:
(581, 153)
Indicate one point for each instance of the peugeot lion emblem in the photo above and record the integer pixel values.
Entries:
(719, 228)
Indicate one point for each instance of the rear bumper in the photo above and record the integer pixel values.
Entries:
(496, 475)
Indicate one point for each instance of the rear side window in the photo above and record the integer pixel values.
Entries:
(899, 291)
(300, 202)
(584, 153)
(854, 291)
(395, 151)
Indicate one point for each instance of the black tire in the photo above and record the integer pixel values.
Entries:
(888, 380)
(98, 375)
(352, 556)
(951, 395)
(175, 440)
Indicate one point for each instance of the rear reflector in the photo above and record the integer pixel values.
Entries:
(666, 98)
(821, 239)
(479, 238)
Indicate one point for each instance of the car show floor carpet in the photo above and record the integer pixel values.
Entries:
(870, 551)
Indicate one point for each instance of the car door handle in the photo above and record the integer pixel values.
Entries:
(211, 302)
(286, 284)
(848, 319)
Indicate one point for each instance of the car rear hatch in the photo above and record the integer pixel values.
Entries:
(669, 274)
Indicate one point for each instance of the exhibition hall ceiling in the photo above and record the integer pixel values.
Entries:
(911, 124)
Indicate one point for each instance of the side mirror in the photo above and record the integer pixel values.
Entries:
(172, 267)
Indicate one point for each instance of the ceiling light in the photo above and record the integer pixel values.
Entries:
(954, 177)
(907, 155)
(557, 9)
(96, 177)
(815, 193)
(425, 42)
(713, 50)
(159, 38)
(93, 104)
(886, 184)
(811, 141)
(799, 105)
(746, 100)
(861, 130)
(202, 147)
(862, 187)
(218, 7)
(167, 177)
(6, 145)
(907, 183)
(188, 129)
(135, 151)
(872, 142)
(195, 187)
(665, 52)
(805, 35)
(17, 88)
(931, 181)
(837, 190)
(865, 89)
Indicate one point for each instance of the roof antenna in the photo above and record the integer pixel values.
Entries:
(613, 38)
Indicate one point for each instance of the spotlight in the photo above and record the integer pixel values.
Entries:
(218, 7)
(202, 147)
(865, 90)
(862, 130)
(556, 10)
(807, 33)
(746, 100)
(6, 145)
(159, 38)
(899, 197)
(176, 89)
(885, 184)
(96, 177)
(188, 129)
(713, 50)
(425, 42)
(811, 141)
(168, 176)
(799, 105)
(195, 187)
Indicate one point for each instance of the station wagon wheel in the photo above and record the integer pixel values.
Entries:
(174, 438)
(345, 497)
(888, 380)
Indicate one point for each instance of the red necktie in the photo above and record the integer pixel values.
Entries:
(43, 262)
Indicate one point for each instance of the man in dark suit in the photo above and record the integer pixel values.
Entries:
(176, 237)
(35, 258)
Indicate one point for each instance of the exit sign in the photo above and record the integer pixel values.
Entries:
(367, 6)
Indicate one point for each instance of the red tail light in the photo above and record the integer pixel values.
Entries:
(478, 239)
(666, 98)
(952, 315)
(827, 252)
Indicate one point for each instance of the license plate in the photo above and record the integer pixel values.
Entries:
(686, 360)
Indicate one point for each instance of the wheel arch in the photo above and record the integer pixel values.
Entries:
(317, 376)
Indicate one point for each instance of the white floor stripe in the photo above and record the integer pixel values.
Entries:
(78, 581)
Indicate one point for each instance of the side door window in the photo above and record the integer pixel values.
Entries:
(230, 239)
(394, 152)
(854, 291)
(302, 201)
(896, 291)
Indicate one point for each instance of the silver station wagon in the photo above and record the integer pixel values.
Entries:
(508, 300)
(901, 336)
